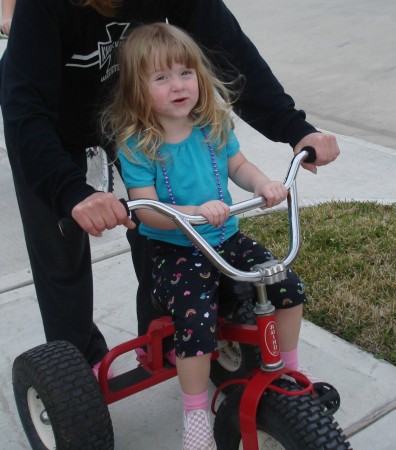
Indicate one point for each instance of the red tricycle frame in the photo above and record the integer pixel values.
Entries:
(153, 370)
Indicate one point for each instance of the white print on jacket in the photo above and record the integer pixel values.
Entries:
(104, 55)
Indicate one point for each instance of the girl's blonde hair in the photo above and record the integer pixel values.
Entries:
(130, 111)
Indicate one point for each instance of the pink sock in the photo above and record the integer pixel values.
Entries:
(197, 401)
(290, 359)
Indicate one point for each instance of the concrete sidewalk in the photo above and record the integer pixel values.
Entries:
(364, 171)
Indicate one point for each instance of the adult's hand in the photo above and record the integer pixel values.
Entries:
(325, 146)
(5, 26)
(101, 211)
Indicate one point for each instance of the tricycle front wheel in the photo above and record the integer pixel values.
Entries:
(59, 400)
(283, 423)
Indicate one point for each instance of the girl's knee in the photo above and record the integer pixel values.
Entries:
(195, 341)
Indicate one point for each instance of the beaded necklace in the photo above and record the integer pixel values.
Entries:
(216, 174)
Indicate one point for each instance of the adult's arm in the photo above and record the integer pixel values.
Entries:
(31, 78)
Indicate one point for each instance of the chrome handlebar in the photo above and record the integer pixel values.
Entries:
(267, 273)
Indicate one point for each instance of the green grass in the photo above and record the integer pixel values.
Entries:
(347, 261)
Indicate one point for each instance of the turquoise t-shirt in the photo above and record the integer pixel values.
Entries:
(191, 177)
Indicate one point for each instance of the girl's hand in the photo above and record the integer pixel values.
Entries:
(216, 212)
(274, 192)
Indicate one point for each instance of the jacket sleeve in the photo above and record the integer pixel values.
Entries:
(31, 78)
(263, 102)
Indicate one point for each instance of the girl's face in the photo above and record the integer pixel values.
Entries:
(174, 92)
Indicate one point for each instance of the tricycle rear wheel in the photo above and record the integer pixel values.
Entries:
(236, 360)
(100, 173)
(59, 400)
(283, 422)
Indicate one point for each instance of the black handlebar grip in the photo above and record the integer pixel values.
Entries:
(125, 205)
(311, 158)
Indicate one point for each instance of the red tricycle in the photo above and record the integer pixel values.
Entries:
(62, 406)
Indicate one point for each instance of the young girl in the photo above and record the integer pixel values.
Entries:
(177, 145)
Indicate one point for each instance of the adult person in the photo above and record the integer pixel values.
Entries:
(59, 63)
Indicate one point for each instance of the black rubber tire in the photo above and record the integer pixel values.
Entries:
(55, 377)
(247, 357)
(292, 422)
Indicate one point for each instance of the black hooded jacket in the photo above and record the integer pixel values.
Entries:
(60, 63)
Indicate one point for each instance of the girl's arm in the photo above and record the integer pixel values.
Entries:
(248, 177)
(216, 212)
